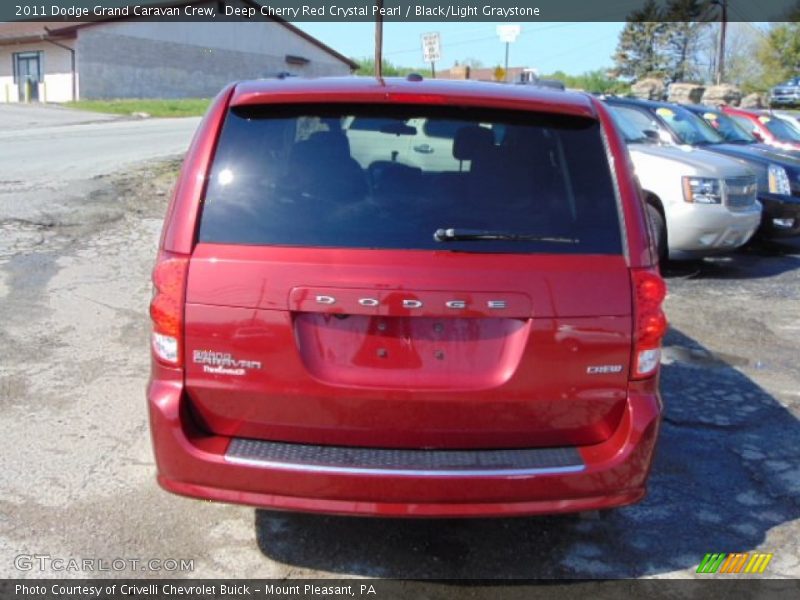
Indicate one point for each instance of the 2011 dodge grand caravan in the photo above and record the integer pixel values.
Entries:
(360, 328)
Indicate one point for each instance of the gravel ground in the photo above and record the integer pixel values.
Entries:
(78, 475)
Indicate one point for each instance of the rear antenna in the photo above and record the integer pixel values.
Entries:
(379, 39)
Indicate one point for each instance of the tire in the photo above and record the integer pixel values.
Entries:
(658, 231)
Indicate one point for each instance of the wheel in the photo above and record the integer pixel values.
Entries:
(658, 231)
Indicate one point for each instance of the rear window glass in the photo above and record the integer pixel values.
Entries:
(367, 176)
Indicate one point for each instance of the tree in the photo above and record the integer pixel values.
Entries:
(682, 37)
(640, 50)
(779, 52)
(597, 81)
(662, 42)
(741, 49)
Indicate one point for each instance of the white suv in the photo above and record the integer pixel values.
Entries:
(699, 203)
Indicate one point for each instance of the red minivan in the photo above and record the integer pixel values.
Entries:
(406, 298)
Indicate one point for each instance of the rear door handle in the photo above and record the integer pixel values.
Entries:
(423, 149)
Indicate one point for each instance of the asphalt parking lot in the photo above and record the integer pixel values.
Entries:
(78, 475)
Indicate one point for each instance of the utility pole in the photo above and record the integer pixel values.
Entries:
(506, 67)
(723, 25)
(379, 40)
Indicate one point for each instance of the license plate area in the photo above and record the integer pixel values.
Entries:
(410, 352)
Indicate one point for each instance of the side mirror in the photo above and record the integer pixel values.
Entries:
(661, 136)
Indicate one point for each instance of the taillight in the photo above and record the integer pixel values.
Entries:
(650, 323)
(166, 307)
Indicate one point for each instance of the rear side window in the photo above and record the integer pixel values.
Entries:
(780, 129)
(367, 176)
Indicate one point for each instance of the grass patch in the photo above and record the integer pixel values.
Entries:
(175, 107)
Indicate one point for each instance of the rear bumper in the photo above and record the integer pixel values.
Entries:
(195, 464)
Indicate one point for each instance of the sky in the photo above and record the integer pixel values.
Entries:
(570, 47)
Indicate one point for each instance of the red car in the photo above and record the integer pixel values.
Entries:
(406, 298)
(770, 130)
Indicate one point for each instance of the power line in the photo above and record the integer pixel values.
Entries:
(581, 47)
(482, 39)
(461, 43)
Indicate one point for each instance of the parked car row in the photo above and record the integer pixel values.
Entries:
(709, 182)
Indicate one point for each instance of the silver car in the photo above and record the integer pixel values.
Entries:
(699, 203)
(786, 93)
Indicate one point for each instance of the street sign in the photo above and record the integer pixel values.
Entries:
(431, 47)
(508, 33)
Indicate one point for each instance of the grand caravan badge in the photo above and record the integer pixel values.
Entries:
(223, 363)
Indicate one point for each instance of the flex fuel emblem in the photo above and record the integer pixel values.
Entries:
(223, 363)
(603, 369)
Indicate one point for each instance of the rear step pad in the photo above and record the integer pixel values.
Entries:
(391, 461)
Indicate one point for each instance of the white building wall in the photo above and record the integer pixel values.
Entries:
(57, 66)
(143, 59)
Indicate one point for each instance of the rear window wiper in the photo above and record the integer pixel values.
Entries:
(457, 235)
